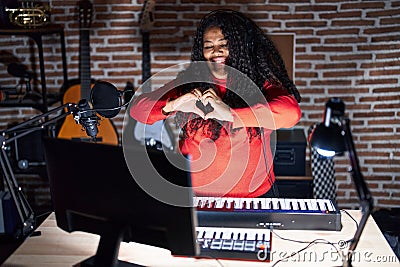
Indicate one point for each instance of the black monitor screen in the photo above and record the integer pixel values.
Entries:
(93, 191)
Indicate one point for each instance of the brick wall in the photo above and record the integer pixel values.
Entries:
(347, 49)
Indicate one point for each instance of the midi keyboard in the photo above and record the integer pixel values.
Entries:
(234, 243)
(278, 213)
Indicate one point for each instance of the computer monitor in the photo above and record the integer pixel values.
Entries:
(93, 191)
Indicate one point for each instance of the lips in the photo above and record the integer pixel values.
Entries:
(219, 60)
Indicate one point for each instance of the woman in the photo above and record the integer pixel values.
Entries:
(226, 103)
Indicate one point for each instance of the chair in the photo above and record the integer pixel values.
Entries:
(323, 173)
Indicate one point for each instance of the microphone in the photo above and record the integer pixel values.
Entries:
(19, 70)
(106, 99)
(129, 92)
(87, 118)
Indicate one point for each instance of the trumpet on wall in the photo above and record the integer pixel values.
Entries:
(29, 14)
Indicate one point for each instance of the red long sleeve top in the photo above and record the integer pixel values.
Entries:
(232, 165)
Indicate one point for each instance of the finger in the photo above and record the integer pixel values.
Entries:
(210, 91)
(197, 93)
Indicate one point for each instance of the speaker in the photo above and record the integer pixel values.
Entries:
(290, 154)
(27, 151)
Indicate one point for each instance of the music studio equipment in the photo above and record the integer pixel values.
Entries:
(107, 133)
(279, 213)
(29, 13)
(86, 119)
(26, 217)
(234, 243)
(290, 153)
(19, 70)
(332, 137)
(158, 135)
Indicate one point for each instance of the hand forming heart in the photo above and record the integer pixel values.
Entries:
(207, 105)
(205, 108)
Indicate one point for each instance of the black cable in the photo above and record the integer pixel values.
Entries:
(309, 244)
(351, 217)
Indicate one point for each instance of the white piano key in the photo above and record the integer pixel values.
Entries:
(269, 203)
(246, 203)
(302, 204)
(329, 204)
(257, 203)
(235, 235)
(238, 203)
(321, 205)
(292, 203)
(210, 202)
(200, 233)
(219, 203)
(209, 234)
(263, 204)
(251, 235)
(313, 204)
(275, 204)
(284, 204)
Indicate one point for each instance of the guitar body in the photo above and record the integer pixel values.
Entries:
(71, 130)
(107, 132)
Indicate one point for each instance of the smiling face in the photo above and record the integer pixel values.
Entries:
(215, 50)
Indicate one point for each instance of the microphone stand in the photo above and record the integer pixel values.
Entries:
(24, 210)
(364, 195)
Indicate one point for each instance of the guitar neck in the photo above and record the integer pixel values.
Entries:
(146, 66)
(85, 75)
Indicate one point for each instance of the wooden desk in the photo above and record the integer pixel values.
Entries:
(57, 248)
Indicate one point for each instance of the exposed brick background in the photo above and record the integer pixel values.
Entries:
(347, 49)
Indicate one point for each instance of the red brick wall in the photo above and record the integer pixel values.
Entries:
(347, 49)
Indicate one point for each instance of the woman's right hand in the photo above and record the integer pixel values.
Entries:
(185, 103)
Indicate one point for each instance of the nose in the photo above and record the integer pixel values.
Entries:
(217, 49)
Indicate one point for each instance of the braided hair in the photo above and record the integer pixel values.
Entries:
(252, 55)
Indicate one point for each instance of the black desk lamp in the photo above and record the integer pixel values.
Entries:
(332, 137)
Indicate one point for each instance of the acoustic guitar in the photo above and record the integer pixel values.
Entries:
(107, 132)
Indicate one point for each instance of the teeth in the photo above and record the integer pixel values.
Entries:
(219, 60)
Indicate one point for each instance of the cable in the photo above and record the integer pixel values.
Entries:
(351, 217)
(309, 244)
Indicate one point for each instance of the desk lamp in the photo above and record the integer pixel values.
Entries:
(332, 137)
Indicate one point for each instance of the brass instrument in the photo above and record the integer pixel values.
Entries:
(30, 14)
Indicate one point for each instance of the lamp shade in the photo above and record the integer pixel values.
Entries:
(328, 141)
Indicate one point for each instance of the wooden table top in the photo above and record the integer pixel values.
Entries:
(55, 247)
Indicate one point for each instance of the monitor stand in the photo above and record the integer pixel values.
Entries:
(108, 250)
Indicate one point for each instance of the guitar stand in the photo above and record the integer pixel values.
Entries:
(27, 220)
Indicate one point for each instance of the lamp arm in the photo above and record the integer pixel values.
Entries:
(364, 194)
(24, 210)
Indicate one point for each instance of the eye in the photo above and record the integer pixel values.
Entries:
(207, 47)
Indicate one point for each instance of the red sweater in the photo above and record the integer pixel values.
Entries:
(231, 166)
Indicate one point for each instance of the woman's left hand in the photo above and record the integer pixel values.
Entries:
(220, 111)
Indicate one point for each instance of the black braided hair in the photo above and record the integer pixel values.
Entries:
(251, 53)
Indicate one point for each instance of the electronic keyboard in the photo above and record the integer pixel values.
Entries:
(234, 243)
(277, 213)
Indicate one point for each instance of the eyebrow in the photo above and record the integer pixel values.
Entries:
(222, 39)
